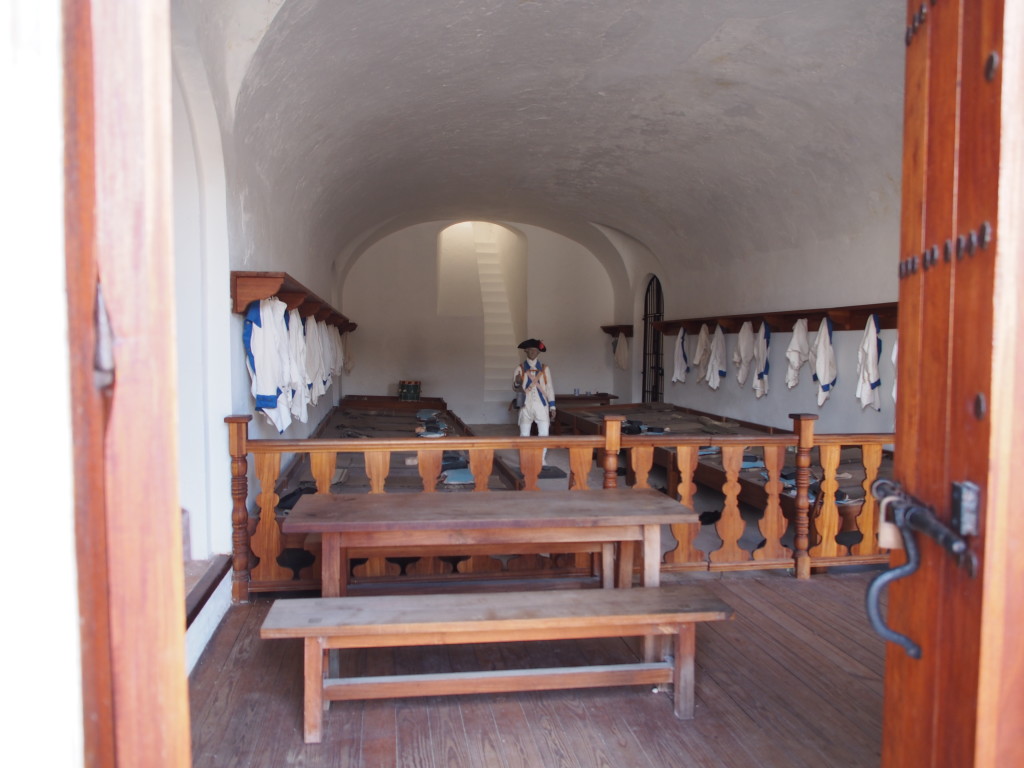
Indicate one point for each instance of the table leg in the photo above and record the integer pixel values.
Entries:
(624, 575)
(331, 582)
(313, 690)
(683, 671)
(651, 577)
(652, 556)
(608, 565)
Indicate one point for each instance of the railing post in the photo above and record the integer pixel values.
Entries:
(238, 437)
(803, 427)
(612, 443)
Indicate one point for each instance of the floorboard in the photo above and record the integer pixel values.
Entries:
(795, 680)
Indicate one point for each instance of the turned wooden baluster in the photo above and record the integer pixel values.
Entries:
(641, 459)
(612, 444)
(322, 466)
(867, 518)
(481, 464)
(684, 551)
(730, 525)
(238, 436)
(266, 541)
(530, 466)
(773, 524)
(803, 427)
(378, 464)
(828, 521)
(580, 460)
(429, 464)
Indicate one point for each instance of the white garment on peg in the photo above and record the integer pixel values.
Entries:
(265, 337)
(761, 344)
(622, 352)
(868, 355)
(716, 359)
(297, 353)
(823, 361)
(680, 365)
(703, 353)
(797, 353)
(744, 352)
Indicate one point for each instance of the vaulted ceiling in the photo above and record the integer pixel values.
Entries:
(705, 130)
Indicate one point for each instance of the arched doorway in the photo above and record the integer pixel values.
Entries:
(653, 369)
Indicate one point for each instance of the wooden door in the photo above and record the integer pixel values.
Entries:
(960, 364)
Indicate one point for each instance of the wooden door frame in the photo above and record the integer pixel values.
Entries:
(129, 557)
(127, 518)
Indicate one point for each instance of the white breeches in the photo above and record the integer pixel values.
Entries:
(534, 411)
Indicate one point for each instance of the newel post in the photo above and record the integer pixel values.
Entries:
(612, 443)
(803, 427)
(238, 437)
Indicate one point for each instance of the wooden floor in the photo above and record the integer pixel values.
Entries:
(795, 680)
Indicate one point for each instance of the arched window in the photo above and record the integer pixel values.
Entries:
(653, 370)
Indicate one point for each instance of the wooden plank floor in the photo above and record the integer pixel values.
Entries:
(794, 680)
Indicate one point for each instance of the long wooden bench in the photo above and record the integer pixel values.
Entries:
(417, 620)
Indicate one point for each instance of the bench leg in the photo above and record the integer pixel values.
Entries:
(683, 671)
(313, 691)
(624, 576)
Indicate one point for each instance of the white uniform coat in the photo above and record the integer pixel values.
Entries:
(539, 394)
(267, 359)
(622, 352)
(314, 360)
(743, 355)
(680, 365)
(823, 361)
(700, 357)
(797, 353)
(297, 352)
(716, 359)
(868, 381)
(761, 344)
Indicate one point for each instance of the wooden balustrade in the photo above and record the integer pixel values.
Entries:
(824, 533)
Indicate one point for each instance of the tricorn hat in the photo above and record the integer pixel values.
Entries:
(533, 344)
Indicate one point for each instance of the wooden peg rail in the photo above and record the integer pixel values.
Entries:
(615, 330)
(843, 319)
(247, 287)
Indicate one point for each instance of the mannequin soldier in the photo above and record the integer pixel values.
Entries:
(532, 381)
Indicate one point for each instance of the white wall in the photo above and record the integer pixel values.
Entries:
(202, 300)
(391, 292)
(41, 668)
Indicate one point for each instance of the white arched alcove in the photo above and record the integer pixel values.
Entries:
(422, 320)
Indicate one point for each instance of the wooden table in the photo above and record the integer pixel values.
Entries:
(520, 521)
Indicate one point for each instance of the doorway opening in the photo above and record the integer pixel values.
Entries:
(653, 369)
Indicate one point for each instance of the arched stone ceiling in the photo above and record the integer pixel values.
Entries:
(707, 131)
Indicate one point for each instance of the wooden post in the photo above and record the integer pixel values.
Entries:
(803, 427)
(238, 437)
(612, 443)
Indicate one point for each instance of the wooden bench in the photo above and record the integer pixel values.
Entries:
(420, 620)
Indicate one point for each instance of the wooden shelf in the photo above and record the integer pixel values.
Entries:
(247, 287)
(843, 319)
(615, 330)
